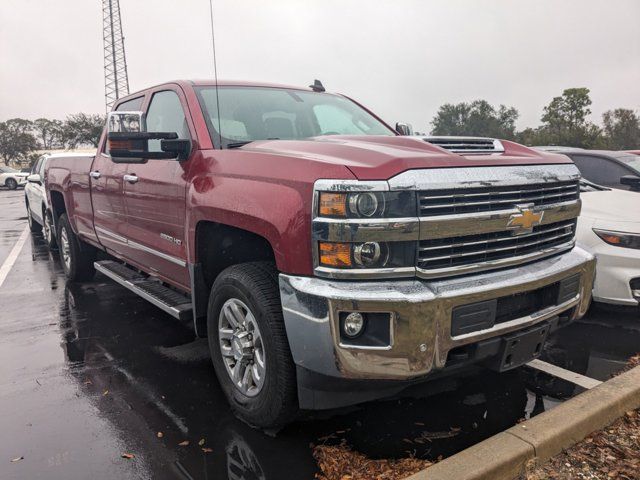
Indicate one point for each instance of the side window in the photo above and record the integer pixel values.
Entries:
(165, 114)
(36, 166)
(132, 105)
(599, 170)
(43, 164)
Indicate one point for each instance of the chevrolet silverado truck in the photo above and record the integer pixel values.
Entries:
(328, 260)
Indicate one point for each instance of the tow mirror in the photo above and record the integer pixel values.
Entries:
(632, 181)
(404, 129)
(34, 178)
(128, 140)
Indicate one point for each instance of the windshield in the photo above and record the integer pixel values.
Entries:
(262, 113)
(631, 160)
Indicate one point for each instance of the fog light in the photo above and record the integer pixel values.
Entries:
(353, 325)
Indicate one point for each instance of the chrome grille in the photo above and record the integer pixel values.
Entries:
(486, 199)
(452, 252)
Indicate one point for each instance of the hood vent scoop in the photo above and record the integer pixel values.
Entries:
(467, 145)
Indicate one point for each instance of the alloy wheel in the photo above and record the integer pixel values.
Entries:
(65, 249)
(241, 347)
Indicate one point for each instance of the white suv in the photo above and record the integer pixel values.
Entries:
(38, 212)
(12, 178)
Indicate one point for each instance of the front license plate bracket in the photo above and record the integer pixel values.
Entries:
(520, 347)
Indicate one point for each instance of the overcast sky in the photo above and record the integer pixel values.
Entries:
(403, 59)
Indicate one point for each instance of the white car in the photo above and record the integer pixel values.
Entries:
(35, 197)
(609, 228)
(12, 178)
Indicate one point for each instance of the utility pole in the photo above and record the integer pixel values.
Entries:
(116, 79)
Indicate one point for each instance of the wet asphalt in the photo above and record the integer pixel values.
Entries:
(90, 372)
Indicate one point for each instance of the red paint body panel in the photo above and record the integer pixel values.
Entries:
(265, 187)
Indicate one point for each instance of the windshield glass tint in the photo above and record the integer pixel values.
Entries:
(260, 113)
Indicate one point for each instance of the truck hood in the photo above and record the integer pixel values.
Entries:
(372, 157)
(613, 209)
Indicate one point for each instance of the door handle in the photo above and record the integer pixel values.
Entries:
(95, 174)
(130, 178)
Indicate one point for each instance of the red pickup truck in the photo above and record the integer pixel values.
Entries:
(328, 259)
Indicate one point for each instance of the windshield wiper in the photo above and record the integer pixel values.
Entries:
(242, 144)
(238, 144)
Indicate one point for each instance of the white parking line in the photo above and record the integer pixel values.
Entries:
(569, 376)
(13, 255)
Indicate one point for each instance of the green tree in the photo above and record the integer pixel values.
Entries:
(16, 140)
(564, 121)
(48, 132)
(83, 129)
(622, 128)
(478, 118)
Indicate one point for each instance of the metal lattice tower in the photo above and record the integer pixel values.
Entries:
(116, 79)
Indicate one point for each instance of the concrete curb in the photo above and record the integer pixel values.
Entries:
(505, 455)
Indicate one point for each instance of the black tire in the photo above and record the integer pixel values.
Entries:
(256, 285)
(11, 183)
(48, 230)
(76, 256)
(34, 226)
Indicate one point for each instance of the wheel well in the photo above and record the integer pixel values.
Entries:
(219, 246)
(57, 205)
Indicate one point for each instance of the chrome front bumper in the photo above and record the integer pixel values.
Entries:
(421, 316)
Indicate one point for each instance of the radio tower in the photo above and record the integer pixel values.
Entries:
(116, 79)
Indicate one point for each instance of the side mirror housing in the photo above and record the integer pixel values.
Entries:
(632, 181)
(404, 129)
(128, 140)
(34, 178)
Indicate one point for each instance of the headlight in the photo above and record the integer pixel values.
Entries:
(367, 254)
(619, 239)
(367, 205)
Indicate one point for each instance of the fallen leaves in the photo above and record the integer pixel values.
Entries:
(128, 456)
(184, 443)
(106, 392)
(160, 434)
(342, 463)
(17, 459)
(201, 442)
(207, 450)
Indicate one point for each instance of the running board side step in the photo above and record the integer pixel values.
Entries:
(174, 303)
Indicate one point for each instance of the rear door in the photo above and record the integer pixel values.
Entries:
(107, 193)
(155, 195)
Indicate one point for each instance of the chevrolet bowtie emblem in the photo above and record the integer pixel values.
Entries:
(524, 221)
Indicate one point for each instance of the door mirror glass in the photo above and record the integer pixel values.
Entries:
(404, 129)
(128, 140)
(631, 181)
(34, 178)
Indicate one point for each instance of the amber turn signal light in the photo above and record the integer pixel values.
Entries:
(335, 254)
(333, 204)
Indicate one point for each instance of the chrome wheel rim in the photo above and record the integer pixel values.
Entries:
(47, 229)
(65, 249)
(241, 347)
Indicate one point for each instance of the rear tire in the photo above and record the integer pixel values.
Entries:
(270, 399)
(34, 226)
(77, 257)
(11, 184)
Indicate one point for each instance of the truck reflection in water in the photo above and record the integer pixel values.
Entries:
(146, 374)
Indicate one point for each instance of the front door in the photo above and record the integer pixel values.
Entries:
(155, 197)
(107, 194)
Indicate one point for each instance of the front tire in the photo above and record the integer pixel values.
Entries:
(34, 226)
(249, 346)
(48, 231)
(77, 257)
(11, 183)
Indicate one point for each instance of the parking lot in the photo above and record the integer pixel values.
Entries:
(91, 372)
